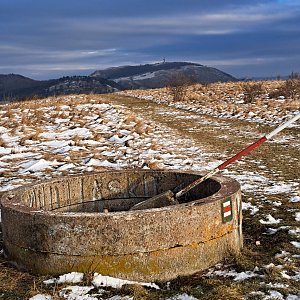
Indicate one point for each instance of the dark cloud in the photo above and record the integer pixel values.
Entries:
(46, 39)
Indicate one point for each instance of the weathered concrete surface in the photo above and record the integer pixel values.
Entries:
(59, 226)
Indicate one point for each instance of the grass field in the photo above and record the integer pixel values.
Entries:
(194, 134)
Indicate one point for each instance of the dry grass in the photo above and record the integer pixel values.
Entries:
(131, 118)
(48, 156)
(222, 97)
(77, 139)
(220, 292)
(135, 291)
(36, 135)
(2, 142)
(21, 285)
(8, 114)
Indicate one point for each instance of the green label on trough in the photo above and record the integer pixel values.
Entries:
(226, 210)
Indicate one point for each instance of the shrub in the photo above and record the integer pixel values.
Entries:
(251, 91)
(289, 89)
(177, 85)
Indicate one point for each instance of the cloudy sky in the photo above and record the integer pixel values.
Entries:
(50, 38)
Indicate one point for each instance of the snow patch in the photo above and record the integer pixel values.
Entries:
(274, 295)
(248, 206)
(41, 297)
(295, 199)
(100, 281)
(182, 297)
(101, 163)
(4, 150)
(81, 132)
(269, 220)
(296, 244)
(35, 165)
(77, 293)
(279, 188)
(232, 273)
(73, 277)
(271, 231)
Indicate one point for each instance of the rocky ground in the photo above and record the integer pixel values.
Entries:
(51, 137)
(228, 101)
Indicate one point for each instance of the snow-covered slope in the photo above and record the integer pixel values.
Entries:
(158, 75)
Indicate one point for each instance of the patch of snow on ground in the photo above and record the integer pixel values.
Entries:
(295, 199)
(182, 297)
(66, 167)
(271, 231)
(296, 244)
(277, 285)
(100, 281)
(4, 150)
(279, 188)
(274, 295)
(120, 298)
(293, 297)
(282, 254)
(269, 220)
(248, 206)
(41, 297)
(9, 187)
(69, 133)
(232, 273)
(55, 143)
(16, 156)
(295, 232)
(102, 163)
(36, 165)
(73, 277)
(3, 130)
(249, 180)
(77, 293)
(122, 140)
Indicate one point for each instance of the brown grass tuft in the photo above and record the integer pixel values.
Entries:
(224, 292)
(2, 142)
(131, 118)
(135, 290)
(8, 114)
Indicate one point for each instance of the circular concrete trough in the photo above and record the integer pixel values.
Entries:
(82, 223)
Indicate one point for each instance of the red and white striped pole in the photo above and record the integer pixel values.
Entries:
(238, 156)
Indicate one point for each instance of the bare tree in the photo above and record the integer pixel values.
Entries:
(290, 88)
(178, 84)
(251, 91)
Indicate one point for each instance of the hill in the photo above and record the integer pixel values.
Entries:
(18, 87)
(159, 74)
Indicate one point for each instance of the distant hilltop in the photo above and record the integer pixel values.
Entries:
(18, 87)
(159, 74)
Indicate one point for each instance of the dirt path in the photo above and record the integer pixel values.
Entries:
(270, 178)
(223, 138)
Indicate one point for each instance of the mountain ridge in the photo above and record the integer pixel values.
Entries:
(19, 87)
(160, 74)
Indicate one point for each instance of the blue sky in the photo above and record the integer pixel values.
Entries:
(47, 39)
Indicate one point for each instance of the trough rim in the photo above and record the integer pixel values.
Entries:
(11, 199)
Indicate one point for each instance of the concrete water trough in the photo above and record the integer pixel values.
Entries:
(83, 223)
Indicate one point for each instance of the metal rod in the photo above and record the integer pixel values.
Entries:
(237, 156)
